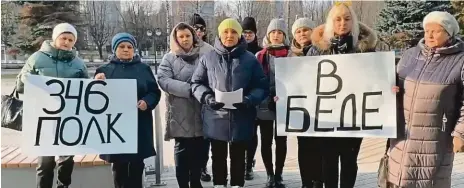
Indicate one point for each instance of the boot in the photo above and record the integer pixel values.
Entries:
(204, 175)
(279, 181)
(249, 175)
(317, 184)
(270, 181)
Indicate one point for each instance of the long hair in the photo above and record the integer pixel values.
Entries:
(329, 24)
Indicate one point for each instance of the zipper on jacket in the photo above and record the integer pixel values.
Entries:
(443, 125)
(411, 113)
(229, 81)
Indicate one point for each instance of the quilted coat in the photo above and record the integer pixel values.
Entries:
(430, 111)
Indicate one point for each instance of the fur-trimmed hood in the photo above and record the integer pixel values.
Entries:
(367, 39)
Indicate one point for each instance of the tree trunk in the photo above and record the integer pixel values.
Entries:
(100, 52)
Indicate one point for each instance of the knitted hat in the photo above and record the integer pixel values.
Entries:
(302, 22)
(445, 19)
(63, 28)
(122, 37)
(230, 23)
(277, 24)
(196, 19)
(249, 23)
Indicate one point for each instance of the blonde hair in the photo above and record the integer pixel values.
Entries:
(329, 23)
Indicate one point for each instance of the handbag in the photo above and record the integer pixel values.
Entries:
(12, 111)
(382, 176)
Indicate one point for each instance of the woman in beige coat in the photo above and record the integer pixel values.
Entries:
(430, 107)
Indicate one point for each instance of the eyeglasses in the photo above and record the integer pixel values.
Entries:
(199, 28)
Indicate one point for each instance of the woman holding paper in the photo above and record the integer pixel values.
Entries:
(430, 107)
(125, 64)
(276, 45)
(341, 34)
(226, 71)
(184, 123)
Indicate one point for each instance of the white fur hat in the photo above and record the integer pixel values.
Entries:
(445, 19)
(63, 28)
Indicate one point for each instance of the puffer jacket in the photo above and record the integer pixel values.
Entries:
(430, 108)
(229, 71)
(49, 61)
(183, 111)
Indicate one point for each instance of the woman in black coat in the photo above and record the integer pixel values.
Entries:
(128, 168)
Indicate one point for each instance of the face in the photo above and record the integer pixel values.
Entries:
(302, 36)
(276, 37)
(65, 41)
(343, 21)
(125, 51)
(184, 38)
(229, 37)
(249, 36)
(435, 36)
(200, 31)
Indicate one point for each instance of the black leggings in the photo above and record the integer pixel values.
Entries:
(128, 174)
(268, 132)
(310, 151)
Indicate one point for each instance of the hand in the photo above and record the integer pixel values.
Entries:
(211, 102)
(242, 105)
(458, 145)
(142, 105)
(396, 89)
(276, 98)
(100, 76)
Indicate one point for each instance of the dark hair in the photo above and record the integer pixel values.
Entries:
(183, 26)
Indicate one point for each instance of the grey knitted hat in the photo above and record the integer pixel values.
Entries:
(276, 24)
(302, 22)
(445, 19)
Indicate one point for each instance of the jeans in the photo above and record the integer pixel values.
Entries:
(237, 162)
(268, 132)
(45, 171)
(188, 161)
(345, 149)
(310, 159)
(128, 174)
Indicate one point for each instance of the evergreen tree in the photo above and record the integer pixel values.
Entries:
(458, 7)
(400, 22)
(37, 19)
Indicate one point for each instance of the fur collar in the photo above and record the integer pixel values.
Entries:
(367, 39)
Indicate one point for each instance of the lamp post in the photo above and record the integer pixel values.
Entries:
(157, 34)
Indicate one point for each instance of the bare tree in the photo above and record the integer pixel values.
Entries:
(100, 28)
(9, 21)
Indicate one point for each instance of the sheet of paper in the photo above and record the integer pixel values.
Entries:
(229, 98)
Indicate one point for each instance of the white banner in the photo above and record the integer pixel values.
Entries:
(79, 116)
(347, 95)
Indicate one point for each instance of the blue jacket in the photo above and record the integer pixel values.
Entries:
(147, 90)
(229, 71)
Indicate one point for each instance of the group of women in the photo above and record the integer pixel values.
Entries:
(429, 91)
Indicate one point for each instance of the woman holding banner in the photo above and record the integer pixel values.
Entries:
(55, 58)
(430, 107)
(341, 34)
(229, 68)
(125, 64)
(276, 45)
(184, 123)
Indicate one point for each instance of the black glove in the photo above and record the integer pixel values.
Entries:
(211, 102)
(242, 105)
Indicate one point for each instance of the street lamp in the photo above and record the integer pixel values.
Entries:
(150, 34)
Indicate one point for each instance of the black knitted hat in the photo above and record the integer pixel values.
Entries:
(196, 19)
(249, 23)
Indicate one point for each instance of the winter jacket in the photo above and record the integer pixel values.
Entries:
(430, 110)
(254, 47)
(298, 50)
(147, 90)
(49, 61)
(229, 71)
(266, 110)
(183, 111)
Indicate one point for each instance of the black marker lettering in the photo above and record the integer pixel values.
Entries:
(88, 92)
(39, 129)
(353, 127)
(365, 111)
(62, 130)
(100, 132)
(319, 111)
(78, 97)
(331, 74)
(306, 117)
(59, 94)
(110, 128)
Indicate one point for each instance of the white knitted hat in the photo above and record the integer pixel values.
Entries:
(63, 28)
(445, 19)
(302, 22)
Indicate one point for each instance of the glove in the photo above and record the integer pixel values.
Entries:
(211, 102)
(458, 144)
(242, 105)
